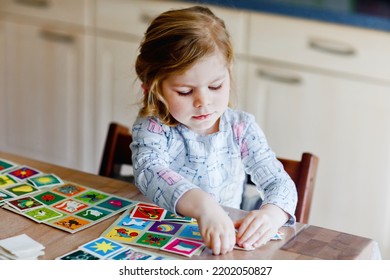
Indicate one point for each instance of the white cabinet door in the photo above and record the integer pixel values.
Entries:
(347, 124)
(42, 104)
(2, 81)
(118, 93)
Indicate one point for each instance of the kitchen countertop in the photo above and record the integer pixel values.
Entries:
(372, 14)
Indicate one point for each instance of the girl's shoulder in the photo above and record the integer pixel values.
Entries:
(236, 116)
(150, 124)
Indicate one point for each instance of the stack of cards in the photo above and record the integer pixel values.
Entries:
(104, 249)
(21, 247)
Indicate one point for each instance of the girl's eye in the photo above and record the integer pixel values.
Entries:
(183, 93)
(215, 87)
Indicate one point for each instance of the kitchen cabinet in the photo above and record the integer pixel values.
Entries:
(2, 76)
(44, 81)
(332, 100)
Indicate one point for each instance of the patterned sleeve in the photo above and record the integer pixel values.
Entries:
(265, 170)
(153, 177)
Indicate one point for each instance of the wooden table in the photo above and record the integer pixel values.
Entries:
(301, 241)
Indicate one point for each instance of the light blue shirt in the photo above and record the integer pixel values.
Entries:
(168, 161)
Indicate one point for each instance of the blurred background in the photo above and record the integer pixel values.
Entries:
(316, 75)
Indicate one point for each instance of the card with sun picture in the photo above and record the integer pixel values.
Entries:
(23, 172)
(45, 180)
(102, 247)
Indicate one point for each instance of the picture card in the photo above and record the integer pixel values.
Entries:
(78, 255)
(23, 172)
(102, 247)
(7, 180)
(147, 212)
(6, 165)
(154, 240)
(42, 214)
(70, 223)
(45, 180)
(21, 189)
(24, 203)
(183, 247)
(69, 189)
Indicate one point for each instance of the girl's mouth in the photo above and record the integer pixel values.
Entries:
(201, 117)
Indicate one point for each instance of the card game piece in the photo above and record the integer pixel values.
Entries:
(42, 214)
(183, 247)
(7, 180)
(45, 180)
(148, 212)
(21, 247)
(21, 189)
(191, 231)
(78, 255)
(4, 196)
(69, 189)
(102, 247)
(154, 240)
(24, 203)
(6, 165)
(23, 172)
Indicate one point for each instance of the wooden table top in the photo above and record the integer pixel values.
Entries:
(301, 241)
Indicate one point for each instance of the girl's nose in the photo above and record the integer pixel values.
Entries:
(201, 98)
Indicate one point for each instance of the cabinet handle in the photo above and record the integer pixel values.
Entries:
(331, 46)
(279, 76)
(57, 37)
(34, 3)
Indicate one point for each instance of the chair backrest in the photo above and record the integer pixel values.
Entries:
(303, 173)
(116, 151)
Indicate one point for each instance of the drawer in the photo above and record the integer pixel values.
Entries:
(70, 11)
(327, 46)
(133, 17)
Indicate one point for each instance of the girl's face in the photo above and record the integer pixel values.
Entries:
(198, 97)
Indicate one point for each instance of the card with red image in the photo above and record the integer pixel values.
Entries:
(148, 212)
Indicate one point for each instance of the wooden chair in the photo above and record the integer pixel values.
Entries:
(116, 152)
(303, 173)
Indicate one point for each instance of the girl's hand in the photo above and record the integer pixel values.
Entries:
(215, 226)
(217, 230)
(259, 226)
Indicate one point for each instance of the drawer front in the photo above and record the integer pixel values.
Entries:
(70, 11)
(133, 17)
(321, 45)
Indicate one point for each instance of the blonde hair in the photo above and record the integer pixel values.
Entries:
(173, 42)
